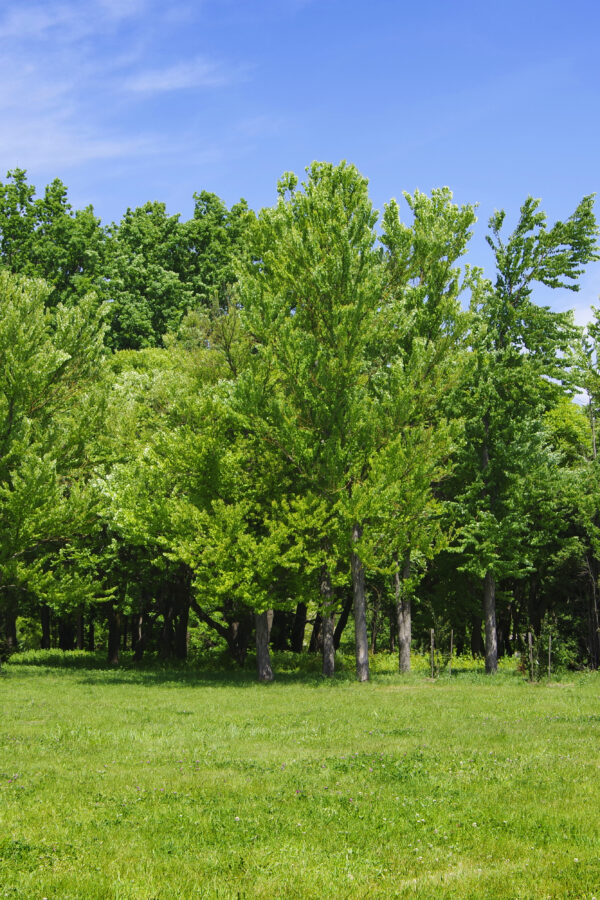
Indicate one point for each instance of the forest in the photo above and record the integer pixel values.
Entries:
(249, 430)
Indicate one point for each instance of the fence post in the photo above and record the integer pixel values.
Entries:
(549, 654)
(451, 649)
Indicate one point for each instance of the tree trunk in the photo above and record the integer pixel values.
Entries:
(403, 614)
(166, 633)
(45, 618)
(12, 642)
(316, 636)
(489, 611)
(66, 633)
(181, 632)
(237, 633)
(298, 628)
(283, 623)
(80, 631)
(593, 617)
(375, 624)
(361, 639)
(91, 633)
(328, 624)
(240, 633)
(342, 620)
(476, 641)
(114, 634)
(263, 656)
(138, 637)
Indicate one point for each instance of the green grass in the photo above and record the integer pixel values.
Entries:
(173, 784)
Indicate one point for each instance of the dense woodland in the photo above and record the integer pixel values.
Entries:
(252, 430)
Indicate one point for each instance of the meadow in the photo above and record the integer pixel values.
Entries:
(177, 783)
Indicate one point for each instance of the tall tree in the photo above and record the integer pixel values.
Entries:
(309, 293)
(522, 353)
(51, 359)
(420, 351)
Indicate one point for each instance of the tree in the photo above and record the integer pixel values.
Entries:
(148, 297)
(50, 360)
(309, 293)
(521, 356)
(159, 268)
(420, 352)
(43, 238)
(211, 241)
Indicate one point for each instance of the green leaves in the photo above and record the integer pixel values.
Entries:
(50, 358)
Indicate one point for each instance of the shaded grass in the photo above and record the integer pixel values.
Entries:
(175, 783)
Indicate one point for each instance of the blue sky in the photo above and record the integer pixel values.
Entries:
(135, 100)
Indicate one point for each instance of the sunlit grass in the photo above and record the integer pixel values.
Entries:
(170, 784)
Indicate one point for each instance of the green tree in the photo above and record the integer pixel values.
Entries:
(212, 240)
(522, 354)
(147, 294)
(50, 361)
(309, 294)
(44, 238)
(420, 351)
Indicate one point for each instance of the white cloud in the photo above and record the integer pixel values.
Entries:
(66, 22)
(54, 144)
(197, 73)
(73, 74)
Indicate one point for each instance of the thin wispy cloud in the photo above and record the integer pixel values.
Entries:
(72, 75)
(65, 22)
(197, 73)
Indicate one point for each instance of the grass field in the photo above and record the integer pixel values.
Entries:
(175, 784)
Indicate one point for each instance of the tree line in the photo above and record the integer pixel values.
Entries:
(258, 427)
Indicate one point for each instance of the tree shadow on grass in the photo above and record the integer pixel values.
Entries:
(92, 668)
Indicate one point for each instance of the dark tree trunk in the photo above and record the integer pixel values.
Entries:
(182, 598)
(45, 618)
(263, 656)
(167, 632)
(138, 637)
(66, 633)
(328, 624)
(181, 632)
(237, 634)
(298, 628)
(80, 631)
(361, 639)
(593, 616)
(403, 614)
(10, 620)
(343, 620)
(124, 631)
(315, 644)
(240, 633)
(489, 612)
(504, 644)
(375, 624)
(91, 641)
(476, 639)
(283, 623)
(114, 635)
(459, 640)
(537, 607)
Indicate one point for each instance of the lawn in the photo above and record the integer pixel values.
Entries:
(177, 783)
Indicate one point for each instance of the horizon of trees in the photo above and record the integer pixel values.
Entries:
(233, 427)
